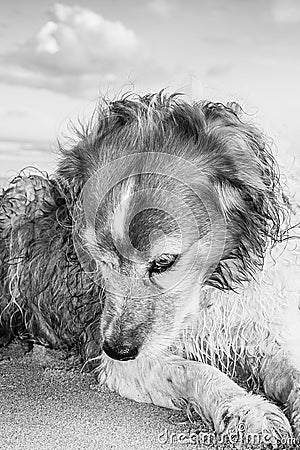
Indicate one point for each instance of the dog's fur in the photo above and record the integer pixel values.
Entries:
(163, 239)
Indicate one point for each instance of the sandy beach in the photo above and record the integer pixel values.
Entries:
(45, 404)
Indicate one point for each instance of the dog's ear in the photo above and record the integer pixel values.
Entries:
(242, 155)
(246, 180)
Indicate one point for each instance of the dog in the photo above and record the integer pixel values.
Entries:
(162, 250)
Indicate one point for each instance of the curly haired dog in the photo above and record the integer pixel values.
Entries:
(160, 250)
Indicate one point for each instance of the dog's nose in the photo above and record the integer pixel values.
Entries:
(120, 353)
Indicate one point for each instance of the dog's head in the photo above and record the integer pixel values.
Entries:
(173, 197)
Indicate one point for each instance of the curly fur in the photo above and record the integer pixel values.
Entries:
(36, 221)
(56, 278)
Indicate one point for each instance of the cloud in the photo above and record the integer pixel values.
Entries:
(162, 8)
(286, 11)
(75, 50)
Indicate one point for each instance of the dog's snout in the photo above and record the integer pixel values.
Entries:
(121, 353)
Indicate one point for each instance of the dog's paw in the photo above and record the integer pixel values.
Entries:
(252, 414)
(293, 409)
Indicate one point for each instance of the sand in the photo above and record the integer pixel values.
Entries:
(47, 404)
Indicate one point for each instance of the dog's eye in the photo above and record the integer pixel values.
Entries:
(161, 264)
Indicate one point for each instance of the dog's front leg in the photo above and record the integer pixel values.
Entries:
(215, 397)
(280, 377)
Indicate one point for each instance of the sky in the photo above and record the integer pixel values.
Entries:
(56, 59)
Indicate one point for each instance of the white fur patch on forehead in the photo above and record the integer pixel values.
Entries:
(120, 213)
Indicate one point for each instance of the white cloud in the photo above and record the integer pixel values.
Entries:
(287, 11)
(76, 50)
(45, 40)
